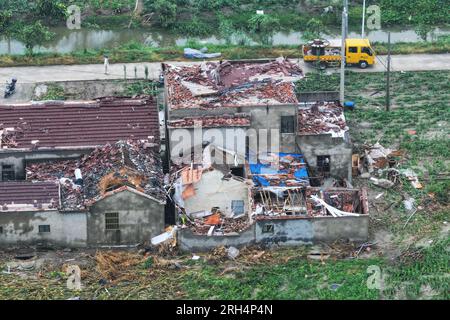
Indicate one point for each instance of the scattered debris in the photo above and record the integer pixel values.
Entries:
(227, 83)
(232, 253)
(126, 165)
(322, 118)
(383, 183)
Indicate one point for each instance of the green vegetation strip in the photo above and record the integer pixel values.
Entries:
(136, 52)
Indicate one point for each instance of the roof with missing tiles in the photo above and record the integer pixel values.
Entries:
(232, 84)
(57, 124)
(105, 171)
(322, 118)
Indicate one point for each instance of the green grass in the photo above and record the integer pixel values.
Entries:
(54, 92)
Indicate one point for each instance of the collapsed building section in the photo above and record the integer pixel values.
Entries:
(91, 171)
(61, 130)
(323, 137)
(241, 99)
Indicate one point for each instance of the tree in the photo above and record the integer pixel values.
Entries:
(314, 29)
(263, 23)
(34, 35)
(165, 10)
(53, 11)
(5, 22)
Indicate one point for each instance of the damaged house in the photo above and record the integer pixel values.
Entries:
(272, 204)
(81, 173)
(240, 100)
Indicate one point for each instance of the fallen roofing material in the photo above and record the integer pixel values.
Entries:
(281, 170)
(28, 196)
(271, 203)
(236, 120)
(232, 84)
(53, 124)
(322, 118)
(126, 165)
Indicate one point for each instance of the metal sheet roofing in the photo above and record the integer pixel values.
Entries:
(53, 124)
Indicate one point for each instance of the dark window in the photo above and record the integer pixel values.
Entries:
(45, 228)
(287, 124)
(237, 206)
(268, 228)
(353, 49)
(237, 171)
(112, 221)
(1, 230)
(323, 165)
(366, 50)
(8, 173)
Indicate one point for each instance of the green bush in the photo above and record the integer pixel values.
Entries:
(165, 10)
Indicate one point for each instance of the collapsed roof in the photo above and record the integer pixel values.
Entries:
(286, 203)
(322, 118)
(231, 84)
(126, 165)
(58, 124)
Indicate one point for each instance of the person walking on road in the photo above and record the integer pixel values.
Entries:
(106, 63)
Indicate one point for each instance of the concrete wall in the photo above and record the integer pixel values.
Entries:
(192, 242)
(262, 117)
(211, 191)
(339, 150)
(140, 219)
(19, 159)
(22, 228)
(285, 232)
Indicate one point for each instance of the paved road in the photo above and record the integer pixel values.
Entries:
(416, 62)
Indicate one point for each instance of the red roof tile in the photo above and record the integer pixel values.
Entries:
(28, 194)
(79, 124)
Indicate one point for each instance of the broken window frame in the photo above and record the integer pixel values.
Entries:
(8, 172)
(287, 124)
(44, 228)
(322, 167)
(112, 222)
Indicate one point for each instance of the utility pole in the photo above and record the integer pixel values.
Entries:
(388, 76)
(363, 19)
(346, 19)
(344, 36)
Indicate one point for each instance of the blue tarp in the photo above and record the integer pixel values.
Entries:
(300, 174)
(198, 54)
